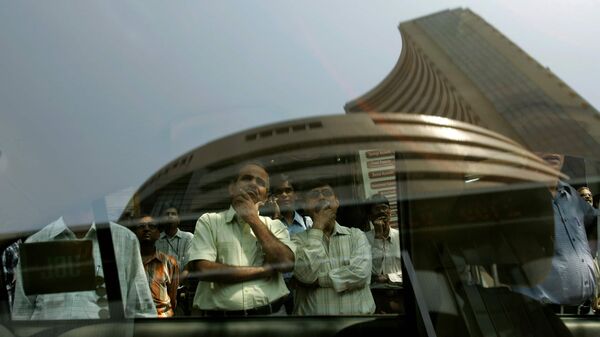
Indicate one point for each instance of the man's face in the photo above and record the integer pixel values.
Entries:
(171, 215)
(380, 212)
(319, 198)
(555, 160)
(586, 194)
(147, 230)
(253, 180)
(286, 196)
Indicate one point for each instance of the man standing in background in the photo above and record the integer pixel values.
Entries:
(161, 269)
(386, 273)
(286, 198)
(174, 241)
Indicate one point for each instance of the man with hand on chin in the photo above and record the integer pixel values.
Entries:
(239, 256)
(333, 262)
(386, 274)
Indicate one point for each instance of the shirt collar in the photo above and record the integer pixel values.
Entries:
(389, 237)
(561, 185)
(230, 214)
(340, 230)
(158, 256)
(562, 188)
(371, 235)
(299, 220)
(177, 234)
(59, 226)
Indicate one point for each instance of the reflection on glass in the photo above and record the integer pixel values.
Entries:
(73, 303)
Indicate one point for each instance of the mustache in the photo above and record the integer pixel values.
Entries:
(551, 157)
(321, 205)
(251, 192)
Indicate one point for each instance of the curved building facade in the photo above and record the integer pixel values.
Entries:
(456, 65)
(360, 154)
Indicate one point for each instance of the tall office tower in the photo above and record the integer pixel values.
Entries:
(454, 64)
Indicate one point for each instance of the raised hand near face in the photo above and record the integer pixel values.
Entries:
(246, 205)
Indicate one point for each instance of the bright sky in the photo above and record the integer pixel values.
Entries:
(96, 96)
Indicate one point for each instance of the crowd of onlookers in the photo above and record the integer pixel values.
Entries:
(237, 262)
(297, 260)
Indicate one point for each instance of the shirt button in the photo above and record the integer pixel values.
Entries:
(582, 260)
(586, 283)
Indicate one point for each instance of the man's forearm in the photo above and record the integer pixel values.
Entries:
(276, 253)
(217, 272)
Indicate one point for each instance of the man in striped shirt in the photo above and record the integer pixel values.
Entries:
(333, 262)
(161, 269)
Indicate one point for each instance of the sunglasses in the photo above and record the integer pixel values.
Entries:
(150, 225)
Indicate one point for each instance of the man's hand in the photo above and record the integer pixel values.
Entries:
(269, 270)
(300, 284)
(246, 206)
(270, 208)
(277, 255)
(381, 278)
(323, 215)
(211, 271)
(378, 225)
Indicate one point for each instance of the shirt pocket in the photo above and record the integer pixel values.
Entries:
(227, 253)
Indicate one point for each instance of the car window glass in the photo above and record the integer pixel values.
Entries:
(423, 164)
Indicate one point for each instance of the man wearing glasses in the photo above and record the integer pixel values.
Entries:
(333, 262)
(286, 198)
(161, 269)
(239, 256)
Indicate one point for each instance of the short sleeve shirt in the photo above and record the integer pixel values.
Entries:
(223, 238)
(177, 246)
(163, 277)
(386, 253)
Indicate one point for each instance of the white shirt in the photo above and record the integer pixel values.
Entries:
(386, 253)
(223, 238)
(135, 290)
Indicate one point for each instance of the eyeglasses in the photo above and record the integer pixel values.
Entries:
(380, 208)
(150, 225)
(326, 192)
